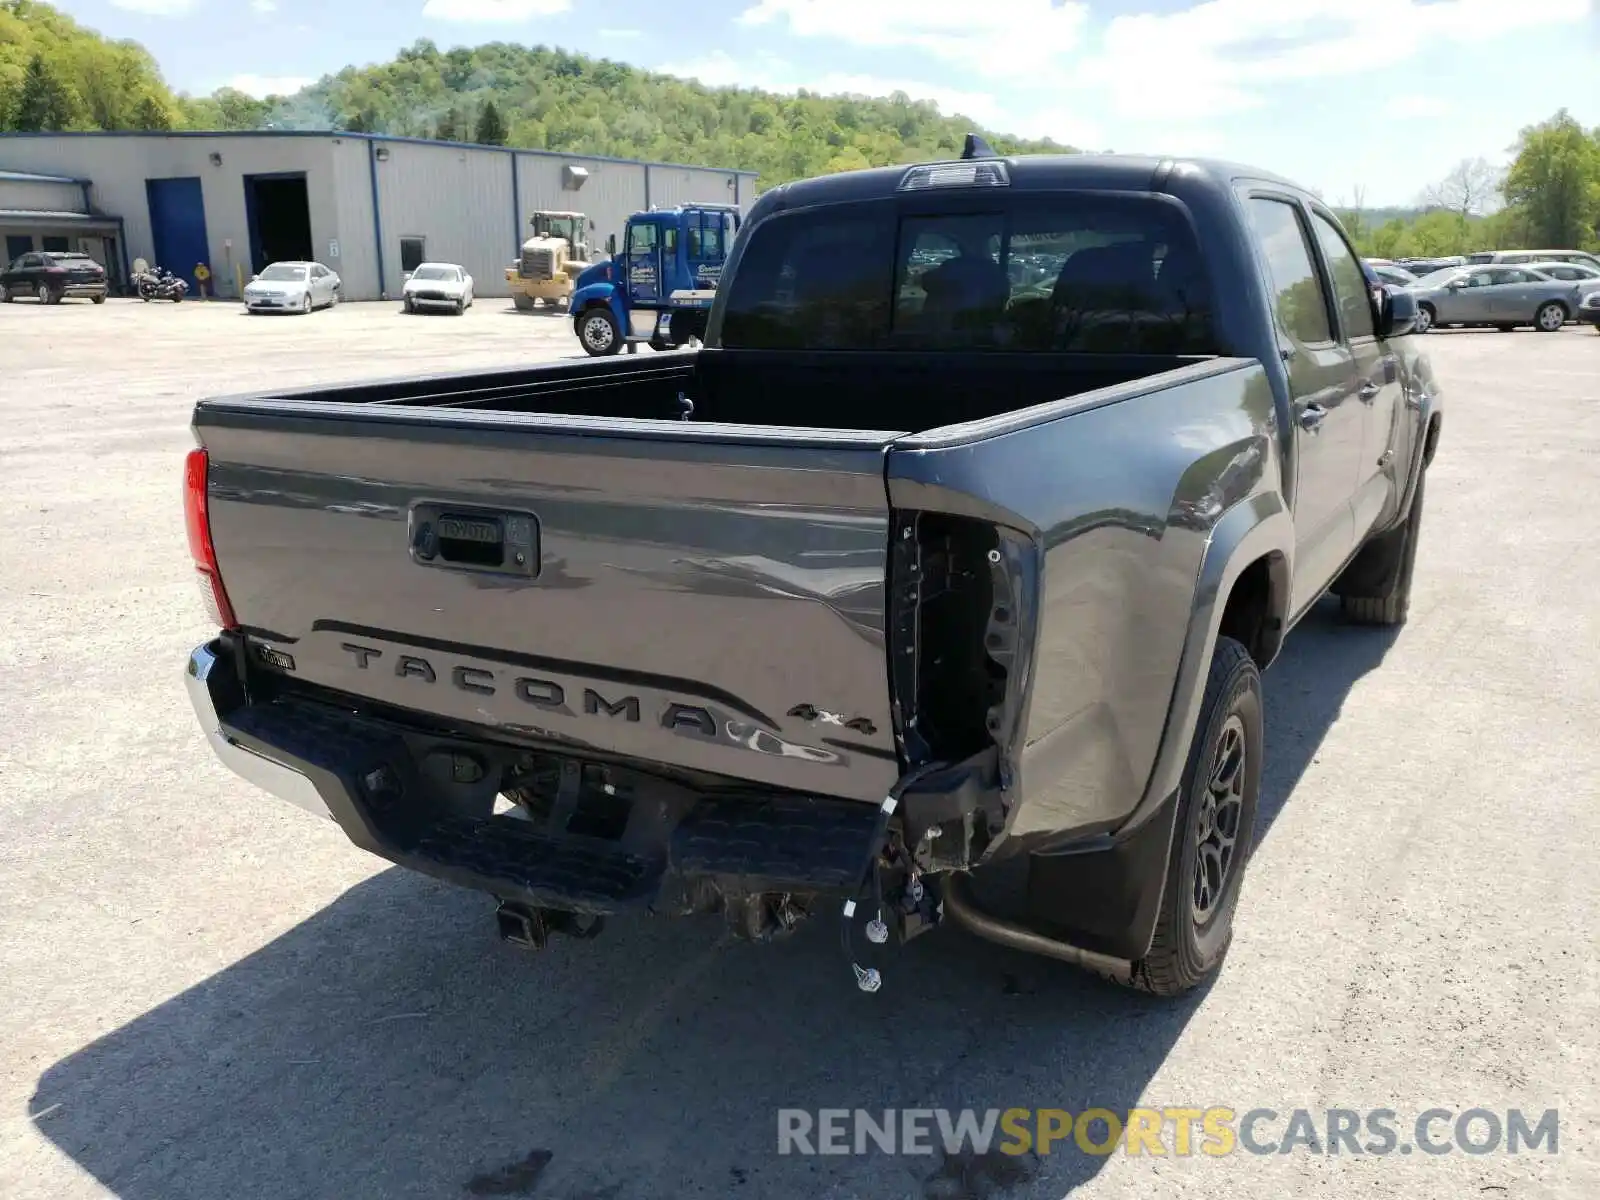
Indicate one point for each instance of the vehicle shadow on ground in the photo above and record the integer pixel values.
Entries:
(389, 1047)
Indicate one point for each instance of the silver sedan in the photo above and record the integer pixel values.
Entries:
(292, 287)
(1498, 297)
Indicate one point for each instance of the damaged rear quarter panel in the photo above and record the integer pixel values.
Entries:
(1117, 492)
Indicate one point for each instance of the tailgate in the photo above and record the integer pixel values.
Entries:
(707, 597)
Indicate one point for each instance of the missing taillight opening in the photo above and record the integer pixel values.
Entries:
(197, 519)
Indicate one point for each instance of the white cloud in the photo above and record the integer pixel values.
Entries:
(1211, 59)
(997, 38)
(621, 33)
(262, 86)
(264, 6)
(720, 69)
(156, 8)
(1417, 106)
(492, 11)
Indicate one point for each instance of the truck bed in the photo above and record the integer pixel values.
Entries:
(822, 390)
(543, 556)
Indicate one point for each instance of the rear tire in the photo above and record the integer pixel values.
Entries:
(1215, 824)
(598, 333)
(1550, 317)
(1425, 318)
(1392, 603)
(1506, 328)
(524, 303)
(96, 299)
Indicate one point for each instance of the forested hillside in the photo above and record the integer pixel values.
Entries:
(54, 74)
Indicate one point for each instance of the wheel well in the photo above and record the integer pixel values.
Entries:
(1254, 613)
(1431, 443)
(1561, 304)
(1429, 307)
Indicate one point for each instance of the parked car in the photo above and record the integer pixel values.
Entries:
(1579, 273)
(1526, 257)
(1496, 297)
(1421, 267)
(292, 287)
(1390, 273)
(1589, 310)
(51, 276)
(438, 285)
(891, 603)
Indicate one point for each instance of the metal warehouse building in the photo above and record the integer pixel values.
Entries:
(367, 205)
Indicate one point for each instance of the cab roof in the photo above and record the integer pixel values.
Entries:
(1034, 172)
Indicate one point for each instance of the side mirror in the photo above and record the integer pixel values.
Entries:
(1397, 312)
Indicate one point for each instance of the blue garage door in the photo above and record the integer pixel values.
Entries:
(178, 225)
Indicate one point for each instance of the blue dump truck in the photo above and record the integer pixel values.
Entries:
(659, 289)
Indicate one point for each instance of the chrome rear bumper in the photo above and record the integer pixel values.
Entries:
(207, 682)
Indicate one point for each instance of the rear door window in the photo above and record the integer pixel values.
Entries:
(1298, 297)
(1349, 281)
(1068, 273)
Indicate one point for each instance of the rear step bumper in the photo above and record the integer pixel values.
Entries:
(362, 774)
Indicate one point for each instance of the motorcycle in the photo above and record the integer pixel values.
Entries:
(158, 283)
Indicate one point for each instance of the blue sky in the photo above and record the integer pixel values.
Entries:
(1381, 95)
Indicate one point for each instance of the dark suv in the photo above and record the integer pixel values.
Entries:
(52, 275)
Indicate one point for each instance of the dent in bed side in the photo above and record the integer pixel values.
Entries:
(1112, 885)
(1114, 527)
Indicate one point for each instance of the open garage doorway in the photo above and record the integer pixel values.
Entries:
(279, 216)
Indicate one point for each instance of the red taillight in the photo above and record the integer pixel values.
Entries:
(197, 517)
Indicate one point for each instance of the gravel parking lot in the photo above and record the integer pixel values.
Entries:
(207, 993)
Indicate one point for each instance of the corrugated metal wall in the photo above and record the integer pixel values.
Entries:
(40, 196)
(119, 166)
(672, 186)
(607, 197)
(458, 200)
(357, 263)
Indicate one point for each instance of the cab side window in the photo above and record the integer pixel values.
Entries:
(641, 239)
(1349, 280)
(1297, 294)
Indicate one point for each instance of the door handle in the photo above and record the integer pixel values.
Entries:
(1368, 392)
(1311, 418)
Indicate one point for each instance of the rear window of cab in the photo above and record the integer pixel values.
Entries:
(1065, 273)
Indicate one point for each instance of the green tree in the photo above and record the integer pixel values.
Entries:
(152, 115)
(450, 127)
(364, 121)
(45, 102)
(491, 128)
(1554, 183)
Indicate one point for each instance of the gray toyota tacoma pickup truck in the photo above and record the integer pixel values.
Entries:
(935, 586)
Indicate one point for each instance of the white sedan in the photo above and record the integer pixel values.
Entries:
(438, 285)
(292, 287)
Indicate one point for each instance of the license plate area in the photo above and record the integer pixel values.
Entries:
(464, 538)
